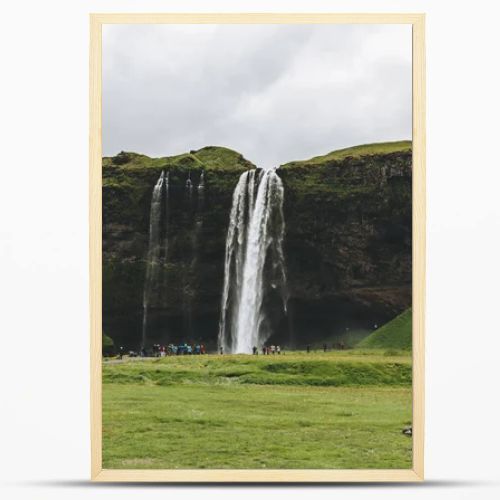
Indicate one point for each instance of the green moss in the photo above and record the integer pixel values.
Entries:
(108, 345)
(107, 341)
(381, 148)
(396, 334)
(128, 177)
(207, 158)
(220, 158)
(351, 174)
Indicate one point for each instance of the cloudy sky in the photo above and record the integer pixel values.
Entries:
(275, 93)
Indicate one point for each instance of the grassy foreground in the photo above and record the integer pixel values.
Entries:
(324, 410)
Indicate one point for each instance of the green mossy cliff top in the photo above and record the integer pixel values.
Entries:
(207, 158)
(135, 174)
(380, 148)
(350, 172)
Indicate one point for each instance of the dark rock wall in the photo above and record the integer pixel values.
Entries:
(348, 243)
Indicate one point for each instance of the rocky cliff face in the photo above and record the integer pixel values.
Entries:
(189, 296)
(347, 244)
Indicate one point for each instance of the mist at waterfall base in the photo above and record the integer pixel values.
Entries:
(191, 291)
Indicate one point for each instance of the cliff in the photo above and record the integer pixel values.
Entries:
(190, 297)
(347, 244)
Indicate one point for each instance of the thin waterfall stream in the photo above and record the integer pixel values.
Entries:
(196, 208)
(153, 265)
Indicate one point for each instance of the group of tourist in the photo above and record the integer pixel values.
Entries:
(267, 349)
(178, 349)
(171, 349)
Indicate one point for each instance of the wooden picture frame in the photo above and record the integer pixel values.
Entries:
(418, 286)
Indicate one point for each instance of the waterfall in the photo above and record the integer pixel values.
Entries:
(201, 183)
(254, 243)
(153, 265)
(241, 209)
(164, 227)
(195, 213)
(189, 184)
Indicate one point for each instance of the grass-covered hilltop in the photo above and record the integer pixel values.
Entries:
(377, 148)
(347, 243)
(128, 178)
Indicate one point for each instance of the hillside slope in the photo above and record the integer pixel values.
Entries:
(393, 335)
(377, 148)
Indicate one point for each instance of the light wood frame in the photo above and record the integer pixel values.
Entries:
(247, 475)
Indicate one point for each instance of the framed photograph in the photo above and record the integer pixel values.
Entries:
(257, 247)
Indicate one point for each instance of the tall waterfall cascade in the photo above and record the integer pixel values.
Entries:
(254, 260)
(157, 247)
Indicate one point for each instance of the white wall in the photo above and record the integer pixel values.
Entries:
(43, 248)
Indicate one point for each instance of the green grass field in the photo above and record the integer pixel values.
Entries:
(341, 409)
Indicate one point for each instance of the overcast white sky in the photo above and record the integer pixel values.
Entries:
(275, 93)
